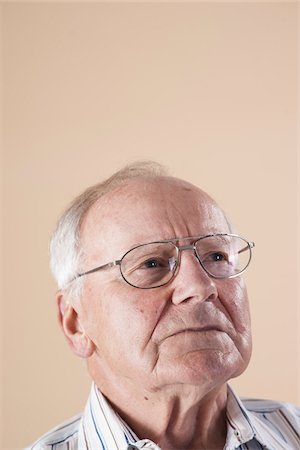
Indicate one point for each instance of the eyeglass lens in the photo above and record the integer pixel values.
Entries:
(152, 265)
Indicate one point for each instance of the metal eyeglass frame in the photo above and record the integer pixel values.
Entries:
(118, 262)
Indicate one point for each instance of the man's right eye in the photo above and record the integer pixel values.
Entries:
(150, 264)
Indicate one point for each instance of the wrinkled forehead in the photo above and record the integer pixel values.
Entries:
(143, 210)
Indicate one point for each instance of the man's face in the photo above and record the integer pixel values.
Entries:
(194, 330)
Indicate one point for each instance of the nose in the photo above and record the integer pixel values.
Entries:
(191, 280)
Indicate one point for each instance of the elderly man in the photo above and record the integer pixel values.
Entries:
(151, 295)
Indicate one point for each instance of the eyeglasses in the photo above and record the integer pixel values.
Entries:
(155, 264)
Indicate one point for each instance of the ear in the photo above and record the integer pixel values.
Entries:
(69, 322)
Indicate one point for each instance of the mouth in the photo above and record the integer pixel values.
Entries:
(205, 329)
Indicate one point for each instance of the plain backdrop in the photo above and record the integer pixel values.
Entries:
(209, 90)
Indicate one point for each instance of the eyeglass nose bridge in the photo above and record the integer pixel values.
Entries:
(188, 247)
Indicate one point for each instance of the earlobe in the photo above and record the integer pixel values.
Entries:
(70, 324)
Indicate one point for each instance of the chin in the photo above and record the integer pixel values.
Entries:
(208, 371)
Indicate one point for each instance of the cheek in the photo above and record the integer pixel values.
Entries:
(129, 314)
(234, 298)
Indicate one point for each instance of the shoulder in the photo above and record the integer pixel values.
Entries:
(268, 406)
(63, 436)
(281, 414)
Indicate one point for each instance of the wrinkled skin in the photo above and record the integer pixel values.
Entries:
(169, 351)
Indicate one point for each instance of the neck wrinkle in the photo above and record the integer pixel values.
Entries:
(201, 426)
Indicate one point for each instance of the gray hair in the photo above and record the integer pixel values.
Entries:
(65, 246)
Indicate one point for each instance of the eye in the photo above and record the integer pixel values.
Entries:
(154, 263)
(217, 257)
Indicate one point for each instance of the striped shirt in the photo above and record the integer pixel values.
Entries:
(251, 424)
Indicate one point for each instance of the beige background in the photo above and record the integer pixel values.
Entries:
(208, 89)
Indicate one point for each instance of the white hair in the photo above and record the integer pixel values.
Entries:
(65, 246)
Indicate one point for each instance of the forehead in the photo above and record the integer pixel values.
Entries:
(144, 210)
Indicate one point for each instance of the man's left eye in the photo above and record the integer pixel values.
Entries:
(152, 264)
(218, 257)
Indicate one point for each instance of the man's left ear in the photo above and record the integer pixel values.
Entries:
(78, 340)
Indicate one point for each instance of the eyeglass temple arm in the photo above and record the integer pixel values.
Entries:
(105, 266)
(251, 245)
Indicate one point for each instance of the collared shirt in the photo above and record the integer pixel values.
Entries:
(251, 424)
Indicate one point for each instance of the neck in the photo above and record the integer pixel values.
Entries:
(176, 418)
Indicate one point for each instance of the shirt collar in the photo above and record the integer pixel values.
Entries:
(102, 428)
(244, 426)
(239, 427)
